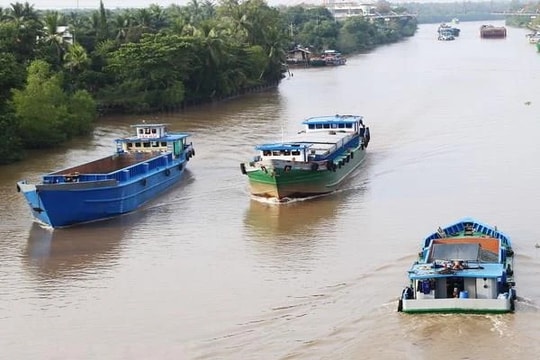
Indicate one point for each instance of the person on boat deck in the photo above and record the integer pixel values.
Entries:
(458, 265)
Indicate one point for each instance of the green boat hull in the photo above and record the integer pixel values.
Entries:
(290, 181)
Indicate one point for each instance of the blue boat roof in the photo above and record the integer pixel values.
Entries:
(168, 137)
(475, 270)
(283, 146)
(333, 119)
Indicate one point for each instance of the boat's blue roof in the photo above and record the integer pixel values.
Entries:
(475, 270)
(283, 146)
(332, 119)
(168, 137)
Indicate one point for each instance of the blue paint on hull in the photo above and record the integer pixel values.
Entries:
(142, 168)
(65, 207)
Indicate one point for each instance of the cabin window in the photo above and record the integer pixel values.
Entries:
(138, 144)
(266, 153)
(147, 131)
(163, 143)
(319, 126)
(295, 152)
(276, 153)
(286, 152)
(155, 143)
(348, 126)
(129, 145)
(341, 126)
(154, 131)
(141, 131)
(311, 126)
(326, 126)
(146, 144)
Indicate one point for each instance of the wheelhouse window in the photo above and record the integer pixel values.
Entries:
(266, 153)
(295, 152)
(137, 144)
(146, 144)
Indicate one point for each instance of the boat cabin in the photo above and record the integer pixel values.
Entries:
(152, 138)
(341, 123)
(318, 141)
(461, 267)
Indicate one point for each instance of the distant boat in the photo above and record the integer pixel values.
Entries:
(315, 161)
(490, 31)
(466, 267)
(143, 167)
(328, 58)
(448, 31)
(534, 38)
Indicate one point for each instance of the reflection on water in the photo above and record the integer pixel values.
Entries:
(76, 252)
(270, 220)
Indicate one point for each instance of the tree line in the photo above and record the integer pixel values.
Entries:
(60, 69)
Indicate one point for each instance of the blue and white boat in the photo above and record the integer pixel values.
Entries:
(143, 167)
(466, 267)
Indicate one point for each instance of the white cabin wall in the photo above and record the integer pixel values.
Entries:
(469, 285)
(486, 289)
(440, 290)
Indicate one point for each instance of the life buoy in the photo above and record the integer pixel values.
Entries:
(167, 172)
(243, 168)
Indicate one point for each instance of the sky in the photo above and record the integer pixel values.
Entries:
(112, 4)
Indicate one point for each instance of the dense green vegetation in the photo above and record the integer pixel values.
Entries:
(54, 82)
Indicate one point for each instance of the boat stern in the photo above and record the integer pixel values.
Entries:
(458, 305)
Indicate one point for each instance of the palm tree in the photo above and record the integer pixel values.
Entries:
(76, 58)
(51, 36)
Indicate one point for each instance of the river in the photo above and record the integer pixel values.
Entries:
(206, 272)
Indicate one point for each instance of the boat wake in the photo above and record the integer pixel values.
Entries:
(286, 200)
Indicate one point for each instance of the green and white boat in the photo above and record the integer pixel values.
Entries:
(315, 161)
